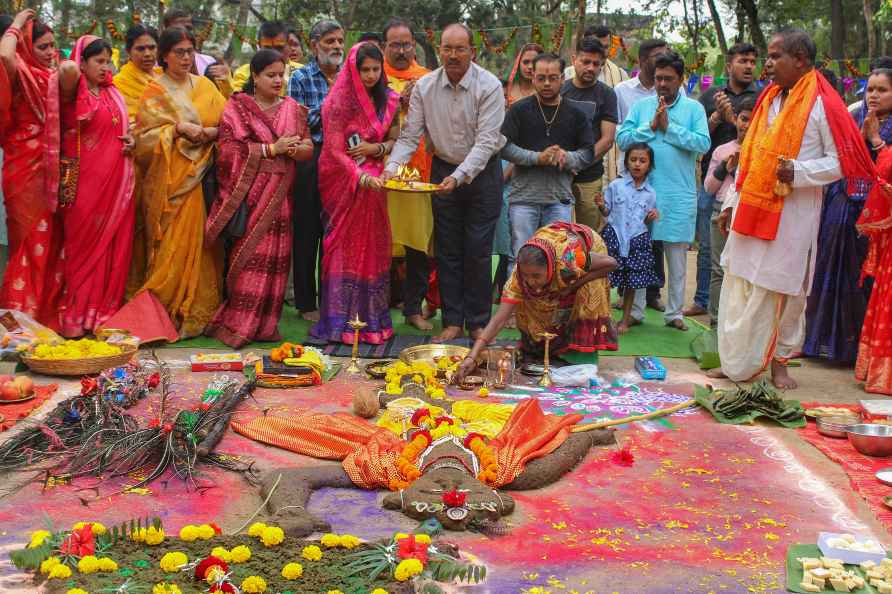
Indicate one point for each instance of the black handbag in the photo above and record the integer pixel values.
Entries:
(210, 187)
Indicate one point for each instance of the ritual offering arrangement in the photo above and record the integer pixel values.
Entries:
(142, 555)
(810, 569)
(21, 332)
(746, 403)
(217, 362)
(293, 366)
(77, 357)
(408, 179)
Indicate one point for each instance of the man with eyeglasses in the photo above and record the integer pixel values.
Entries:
(270, 35)
(459, 109)
(411, 220)
(549, 138)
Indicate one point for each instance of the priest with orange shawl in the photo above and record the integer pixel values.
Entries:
(800, 139)
(411, 218)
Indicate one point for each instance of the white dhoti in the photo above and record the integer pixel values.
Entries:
(757, 325)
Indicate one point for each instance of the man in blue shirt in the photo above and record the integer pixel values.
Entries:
(309, 86)
(675, 128)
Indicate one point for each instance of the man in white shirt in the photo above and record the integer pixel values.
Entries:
(770, 254)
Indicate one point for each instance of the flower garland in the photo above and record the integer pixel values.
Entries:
(853, 70)
(557, 38)
(405, 464)
(205, 33)
(502, 47)
(701, 60)
(238, 34)
(113, 30)
(489, 467)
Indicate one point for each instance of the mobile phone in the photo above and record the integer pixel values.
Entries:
(353, 142)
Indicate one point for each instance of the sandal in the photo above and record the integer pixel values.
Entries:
(678, 325)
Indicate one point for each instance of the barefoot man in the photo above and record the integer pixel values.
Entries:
(789, 154)
(459, 108)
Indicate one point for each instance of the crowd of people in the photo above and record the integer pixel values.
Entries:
(175, 184)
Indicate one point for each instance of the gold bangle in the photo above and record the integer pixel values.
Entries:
(272, 150)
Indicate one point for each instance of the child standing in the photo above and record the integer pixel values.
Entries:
(629, 205)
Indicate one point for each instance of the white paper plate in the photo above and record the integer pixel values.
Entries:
(848, 557)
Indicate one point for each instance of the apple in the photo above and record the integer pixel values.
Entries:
(6, 378)
(25, 384)
(9, 391)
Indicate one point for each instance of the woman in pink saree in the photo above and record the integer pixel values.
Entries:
(261, 136)
(98, 224)
(356, 246)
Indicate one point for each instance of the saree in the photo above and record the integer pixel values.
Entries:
(32, 282)
(838, 299)
(874, 363)
(171, 257)
(260, 260)
(356, 247)
(98, 226)
(132, 83)
(513, 94)
(581, 319)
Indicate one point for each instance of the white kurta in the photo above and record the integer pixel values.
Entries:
(786, 264)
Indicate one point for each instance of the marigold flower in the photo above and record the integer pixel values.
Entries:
(253, 584)
(206, 532)
(330, 540)
(407, 569)
(60, 572)
(98, 529)
(76, 591)
(189, 533)
(153, 536)
(240, 554)
(38, 537)
(292, 571)
(348, 541)
(47, 564)
(107, 565)
(222, 554)
(334, 592)
(379, 591)
(256, 529)
(165, 588)
(423, 539)
(272, 535)
(88, 564)
(172, 561)
(311, 553)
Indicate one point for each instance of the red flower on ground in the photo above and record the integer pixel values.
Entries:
(454, 498)
(153, 380)
(224, 587)
(408, 548)
(444, 419)
(217, 529)
(420, 414)
(88, 386)
(624, 457)
(154, 423)
(80, 543)
(202, 569)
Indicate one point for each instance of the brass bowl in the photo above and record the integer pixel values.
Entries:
(430, 353)
(378, 369)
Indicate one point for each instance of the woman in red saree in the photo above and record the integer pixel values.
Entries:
(98, 226)
(33, 279)
(356, 247)
(261, 136)
(874, 364)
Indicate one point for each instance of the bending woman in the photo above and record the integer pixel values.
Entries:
(356, 247)
(261, 136)
(175, 132)
(98, 225)
(33, 279)
(559, 286)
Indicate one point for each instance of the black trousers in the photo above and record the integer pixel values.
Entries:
(415, 286)
(660, 270)
(306, 221)
(464, 226)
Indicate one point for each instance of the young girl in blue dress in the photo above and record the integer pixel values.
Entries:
(630, 205)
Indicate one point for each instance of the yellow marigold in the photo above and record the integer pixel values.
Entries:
(171, 562)
(76, 591)
(438, 393)
(253, 584)
(206, 532)
(483, 392)
(272, 535)
(153, 536)
(189, 533)
(256, 529)
(348, 541)
(311, 553)
(330, 540)
(107, 565)
(221, 554)
(394, 389)
(407, 569)
(37, 538)
(164, 588)
(379, 591)
(47, 564)
(422, 539)
(292, 571)
(138, 535)
(60, 572)
(240, 554)
(98, 529)
(400, 536)
(88, 564)
(334, 592)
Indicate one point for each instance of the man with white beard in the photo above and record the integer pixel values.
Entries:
(309, 86)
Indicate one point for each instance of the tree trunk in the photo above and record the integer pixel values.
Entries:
(717, 22)
(752, 17)
(869, 29)
(741, 22)
(580, 22)
(837, 30)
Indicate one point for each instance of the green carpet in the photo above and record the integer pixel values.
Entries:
(651, 338)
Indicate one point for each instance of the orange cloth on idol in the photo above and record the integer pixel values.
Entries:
(759, 212)
(369, 453)
(420, 160)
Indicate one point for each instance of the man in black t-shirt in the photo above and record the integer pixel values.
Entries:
(598, 101)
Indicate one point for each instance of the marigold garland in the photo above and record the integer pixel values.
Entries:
(853, 70)
(557, 38)
(113, 30)
(502, 47)
(489, 467)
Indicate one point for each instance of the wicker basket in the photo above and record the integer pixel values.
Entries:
(75, 367)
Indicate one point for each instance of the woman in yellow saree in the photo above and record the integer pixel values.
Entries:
(176, 127)
(133, 78)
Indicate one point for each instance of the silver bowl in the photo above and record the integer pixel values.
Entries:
(870, 439)
(834, 426)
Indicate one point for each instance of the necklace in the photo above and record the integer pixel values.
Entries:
(264, 106)
(548, 122)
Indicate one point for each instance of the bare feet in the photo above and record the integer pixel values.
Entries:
(429, 312)
(419, 322)
(511, 323)
(694, 310)
(780, 378)
(678, 325)
(622, 328)
(716, 373)
(448, 333)
(310, 316)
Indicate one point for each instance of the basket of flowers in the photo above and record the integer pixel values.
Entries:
(77, 357)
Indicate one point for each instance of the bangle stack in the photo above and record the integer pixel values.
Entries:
(381, 150)
(267, 151)
(878, 147)
(363, 180)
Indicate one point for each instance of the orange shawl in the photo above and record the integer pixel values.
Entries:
(759, 212)
(420, 160)
(369, 453)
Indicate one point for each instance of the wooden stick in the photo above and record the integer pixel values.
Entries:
(651, 415)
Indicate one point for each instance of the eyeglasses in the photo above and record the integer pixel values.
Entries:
(183, 52)
(401, 47)
(454, 51)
